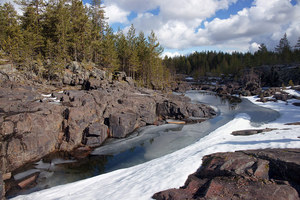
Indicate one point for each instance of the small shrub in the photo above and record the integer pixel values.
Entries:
(291, 83)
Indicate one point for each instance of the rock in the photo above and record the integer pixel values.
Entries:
(6, 176)
(169, 109)
(281, 96)
(251, 132)
(33, 126)
(36, 135)
(254, 174)
(81, 152)
(121, 124)
(27, 181)
(296, 104)
(95, 134)
(294, 123)
(181, 87)
(2, 189)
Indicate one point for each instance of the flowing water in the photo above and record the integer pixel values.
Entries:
(145, 144)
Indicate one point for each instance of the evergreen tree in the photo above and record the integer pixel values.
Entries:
(31, 22)
(110, 55)
(62, 30)
(297, 46)
(79, 33)
(284, 49)
(98, 24)
(133, 61)
(10, 33)
(123, 51)
(143, 55)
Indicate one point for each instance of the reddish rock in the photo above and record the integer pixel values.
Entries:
(257, 174)
(28, 180)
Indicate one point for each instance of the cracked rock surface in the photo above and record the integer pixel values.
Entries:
(253, 174)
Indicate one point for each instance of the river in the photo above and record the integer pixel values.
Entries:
(145, 144)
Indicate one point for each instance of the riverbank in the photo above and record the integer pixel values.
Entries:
(79, 113)
(171, 171)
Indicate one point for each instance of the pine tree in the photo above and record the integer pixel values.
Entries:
(110, 55)
(62, 30)
(31, 22)
(10, 33)
(283, 45)
(133, 61)
(123, 51)
(297, 46)
(155, 68)
(143, 55)
(98, 22)
(79, 26)
(284, 49)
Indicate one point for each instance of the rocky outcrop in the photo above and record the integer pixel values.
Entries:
(34, 123)
(255, 174)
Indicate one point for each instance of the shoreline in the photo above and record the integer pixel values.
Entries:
(172, 170)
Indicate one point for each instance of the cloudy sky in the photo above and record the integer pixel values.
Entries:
(183, 27)
(197, 25)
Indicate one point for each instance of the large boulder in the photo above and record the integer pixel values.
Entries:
(257, 174)
(121, 124)
(95, 134)
(29, 136)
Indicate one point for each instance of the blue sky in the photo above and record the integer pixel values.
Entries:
(183, 27)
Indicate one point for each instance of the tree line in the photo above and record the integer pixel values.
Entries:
(219, 63)
(59, 31)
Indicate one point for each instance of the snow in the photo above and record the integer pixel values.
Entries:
(46, 95)
(171, 171)
(293, 92)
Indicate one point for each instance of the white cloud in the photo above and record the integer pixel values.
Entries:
(134, 5)
(116, 14)
(177, 25)
(171, 54)
(254, 47)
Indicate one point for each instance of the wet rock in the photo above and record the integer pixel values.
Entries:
(254, 174)
(29, 180)
(81, 152)
(296, 104)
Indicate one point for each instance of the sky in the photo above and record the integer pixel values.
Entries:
(183, 27)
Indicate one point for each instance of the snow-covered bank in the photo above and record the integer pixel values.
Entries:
(142, 181)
